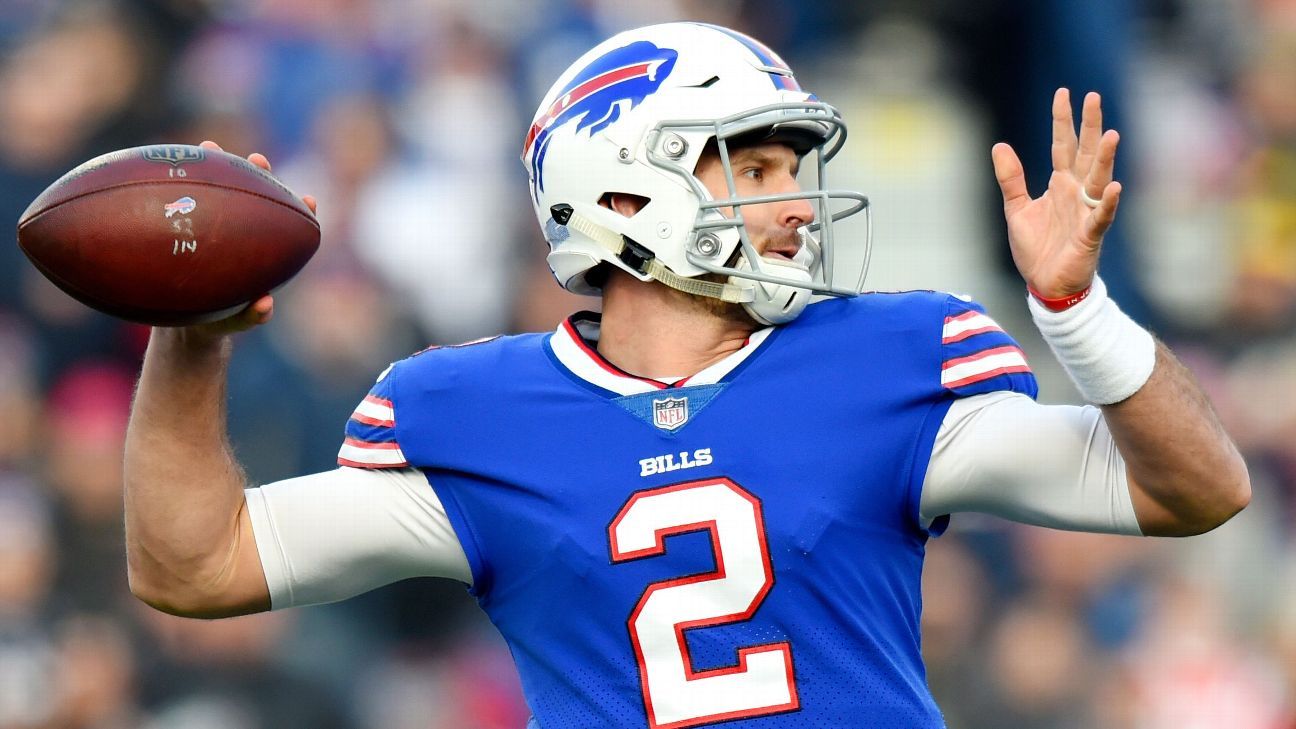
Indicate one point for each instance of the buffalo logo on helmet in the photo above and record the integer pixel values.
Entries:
(630, 73)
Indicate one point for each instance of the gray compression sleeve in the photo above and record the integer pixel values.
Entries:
(1050, 465)
(331, 535)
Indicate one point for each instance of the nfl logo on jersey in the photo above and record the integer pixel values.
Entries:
(670, 413)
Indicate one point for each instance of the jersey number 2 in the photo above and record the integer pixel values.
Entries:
(675, 695)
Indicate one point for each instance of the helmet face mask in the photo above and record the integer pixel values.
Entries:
(634, 115)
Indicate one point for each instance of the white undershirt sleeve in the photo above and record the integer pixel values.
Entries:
(332, 535)
(1050, 465)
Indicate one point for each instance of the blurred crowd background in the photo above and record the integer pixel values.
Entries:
(405, 118)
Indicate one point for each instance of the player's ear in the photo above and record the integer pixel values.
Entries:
(626, 203)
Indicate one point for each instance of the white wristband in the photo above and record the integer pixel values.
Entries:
(1107, 354)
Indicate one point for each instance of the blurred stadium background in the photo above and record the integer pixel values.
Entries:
(405, 118)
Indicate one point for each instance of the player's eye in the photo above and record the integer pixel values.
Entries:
(754, 173)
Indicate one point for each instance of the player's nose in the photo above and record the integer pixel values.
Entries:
(796, 212)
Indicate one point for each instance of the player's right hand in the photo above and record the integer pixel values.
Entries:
(261, 310)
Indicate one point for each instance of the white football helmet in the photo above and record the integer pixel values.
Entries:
(633, 116)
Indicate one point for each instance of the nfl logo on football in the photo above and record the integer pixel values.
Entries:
(173, 154)
(670, 413)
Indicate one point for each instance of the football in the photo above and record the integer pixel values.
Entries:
(168, 235)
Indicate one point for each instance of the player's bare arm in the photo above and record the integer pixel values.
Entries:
(190, 547)
(1185, 475)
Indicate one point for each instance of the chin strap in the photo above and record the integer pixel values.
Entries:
(642, 260)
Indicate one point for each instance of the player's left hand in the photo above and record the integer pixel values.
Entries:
(1055, 238)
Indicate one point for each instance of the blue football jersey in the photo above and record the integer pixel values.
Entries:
(743, 546)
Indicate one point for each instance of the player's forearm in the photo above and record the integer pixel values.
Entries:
(184, 497)
(1186, 476)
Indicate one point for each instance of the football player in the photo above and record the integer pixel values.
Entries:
(709, 503)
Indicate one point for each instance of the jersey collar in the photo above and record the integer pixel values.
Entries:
(574, 342)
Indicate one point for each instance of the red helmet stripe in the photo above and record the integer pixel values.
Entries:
(594, 85)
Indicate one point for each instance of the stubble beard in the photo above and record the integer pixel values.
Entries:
(726, 310)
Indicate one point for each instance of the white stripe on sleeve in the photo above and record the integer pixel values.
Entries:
(983, 365)
(371, 454)
(372, 411)
(958, 328)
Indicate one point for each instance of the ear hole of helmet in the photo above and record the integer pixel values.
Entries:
(627, 204)
(596, 277)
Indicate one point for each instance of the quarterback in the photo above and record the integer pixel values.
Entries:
(710, 502)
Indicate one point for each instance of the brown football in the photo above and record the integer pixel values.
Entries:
(168, 234)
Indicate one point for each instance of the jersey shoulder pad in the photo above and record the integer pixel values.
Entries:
(444, 374)
(903, 309)
(457, 367)
(977, 355)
